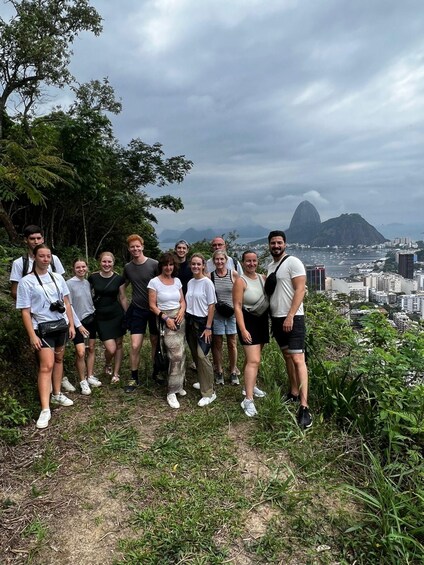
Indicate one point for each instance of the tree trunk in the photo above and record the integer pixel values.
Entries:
(8, 225)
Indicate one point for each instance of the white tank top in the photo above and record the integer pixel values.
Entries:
(253, 291)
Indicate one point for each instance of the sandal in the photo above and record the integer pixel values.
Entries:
(115, 379)
(108, 369)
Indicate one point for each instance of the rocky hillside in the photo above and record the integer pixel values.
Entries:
(347, 229)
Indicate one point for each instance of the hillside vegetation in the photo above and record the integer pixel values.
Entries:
(121, 478)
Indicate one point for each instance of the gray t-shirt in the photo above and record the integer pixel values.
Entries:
(139, 276)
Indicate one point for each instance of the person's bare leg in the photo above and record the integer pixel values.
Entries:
(136, 343)
(91, 357)
(301, 372)
(46, 362)
(119, 353)
(80, 360)
(217, 345)
(291, 372)
(232, 352)
(57, 374)
(253, 360)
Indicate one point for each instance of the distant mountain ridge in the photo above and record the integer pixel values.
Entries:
(191, 234)
(348, 229)
(305, 228)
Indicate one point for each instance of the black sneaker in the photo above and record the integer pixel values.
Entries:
(234, 380)
(292, 397)
(219, 378)
(304, 418)
(131, 386)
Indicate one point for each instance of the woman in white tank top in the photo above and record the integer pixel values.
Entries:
(253, 330)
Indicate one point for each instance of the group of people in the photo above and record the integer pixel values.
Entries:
(180, 300)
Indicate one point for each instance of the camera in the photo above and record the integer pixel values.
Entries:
(58, 306)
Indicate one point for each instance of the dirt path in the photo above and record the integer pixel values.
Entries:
(61, 504)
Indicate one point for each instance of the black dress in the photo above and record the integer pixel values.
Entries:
(109, 312)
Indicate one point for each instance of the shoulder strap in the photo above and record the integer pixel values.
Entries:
(25, 264)
(53, 265)
(213, 277)
(281, 262)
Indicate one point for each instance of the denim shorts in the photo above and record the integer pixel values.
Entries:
(293, 341)
(224, 326)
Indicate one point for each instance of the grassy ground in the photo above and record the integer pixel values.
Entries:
(121, 478)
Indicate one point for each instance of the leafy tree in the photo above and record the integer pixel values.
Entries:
(35, 51)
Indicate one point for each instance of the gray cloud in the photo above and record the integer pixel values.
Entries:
(275, 102)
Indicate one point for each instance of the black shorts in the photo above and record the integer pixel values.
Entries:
(293, 341)
(137, 319)
(257, 326)
(54, 340)
(91, 327)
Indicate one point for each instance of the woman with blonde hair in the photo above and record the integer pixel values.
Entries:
(85, 337)
(200, 300)
(224, 322)
(109, 301)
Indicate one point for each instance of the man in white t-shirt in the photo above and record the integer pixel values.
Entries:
(33, 236)
(288, 320)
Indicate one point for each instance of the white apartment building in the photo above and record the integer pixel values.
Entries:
(412, 303)
(419, 278)
(348, 287)
(387, 282)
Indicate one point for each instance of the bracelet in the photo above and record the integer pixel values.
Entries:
(206, 328)
(166, 318)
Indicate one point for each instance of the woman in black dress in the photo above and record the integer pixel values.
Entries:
(109, 297)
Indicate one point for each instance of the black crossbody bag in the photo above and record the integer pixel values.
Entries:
(271, 280)
(53, 326)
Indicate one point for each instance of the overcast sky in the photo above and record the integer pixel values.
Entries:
(275, 102)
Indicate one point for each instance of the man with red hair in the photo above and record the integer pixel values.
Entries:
(138, 272)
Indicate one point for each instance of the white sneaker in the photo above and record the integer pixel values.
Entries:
(85, 387)
(172, 401)
(182, 392)
(67, 386)
(196, 386)
(94, 381)
(44, 418)
(206, 400)
(61, 399)
(249, 407)
(256, 392)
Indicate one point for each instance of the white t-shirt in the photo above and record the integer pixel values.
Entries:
(18, 267)
(168, 296)
(281, 300)
(200, 295)
(31, 295)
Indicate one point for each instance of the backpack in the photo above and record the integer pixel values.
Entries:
(25, 265)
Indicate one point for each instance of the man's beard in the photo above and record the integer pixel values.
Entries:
(277, 253)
